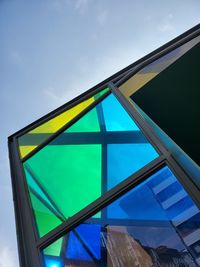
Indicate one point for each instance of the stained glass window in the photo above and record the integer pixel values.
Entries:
(137, 229)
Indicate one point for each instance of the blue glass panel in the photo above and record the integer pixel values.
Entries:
(179, 207)
(75, 249)
(125, 159)
(84, 243)
(51, 262)
(116, 118)
(137, 230)
(131, 206)
(90, 234)
(189, 225)
(169, 191)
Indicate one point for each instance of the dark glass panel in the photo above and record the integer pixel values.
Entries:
(149, 72)
(175, 96)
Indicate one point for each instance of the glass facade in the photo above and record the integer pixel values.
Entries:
(95, 185)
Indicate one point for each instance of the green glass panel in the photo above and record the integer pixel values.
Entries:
(67, 172)
(85, 125)
(54, 249)
(45, 219)
(101, 93)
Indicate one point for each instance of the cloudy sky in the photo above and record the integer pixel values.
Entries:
(53, 50)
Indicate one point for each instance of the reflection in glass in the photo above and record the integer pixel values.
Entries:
(93, 155)
(138, 229)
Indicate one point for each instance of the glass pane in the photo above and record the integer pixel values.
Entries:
(146, 74)
(96, 153)
(32, 139)
(138, 230)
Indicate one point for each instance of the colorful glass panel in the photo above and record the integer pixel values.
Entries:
(138, 230)
(96, 153)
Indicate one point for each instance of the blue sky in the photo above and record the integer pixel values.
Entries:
(53, 50)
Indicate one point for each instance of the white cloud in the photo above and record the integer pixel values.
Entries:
(8, 258)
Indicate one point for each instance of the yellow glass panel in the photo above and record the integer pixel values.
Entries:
(136, 82)
(24, 150)
(56, 123)
(32, 139)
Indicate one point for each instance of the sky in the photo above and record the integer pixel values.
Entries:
(53, 50)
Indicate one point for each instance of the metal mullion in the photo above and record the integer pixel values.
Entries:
(66, 126)
(64, 245)
(101, 202)
(142, 124)
(26, 229)
(160, 53)
(104, 155)
(112, 137)
(190, 186)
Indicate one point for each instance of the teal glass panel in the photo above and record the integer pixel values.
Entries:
(97, 152)
(36, 189)
(132, 157)
(116, 118)
(137, 230)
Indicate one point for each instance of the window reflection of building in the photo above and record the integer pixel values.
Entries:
(180, 209)
(123, 250)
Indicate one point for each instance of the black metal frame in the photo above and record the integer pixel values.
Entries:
(28, 244)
